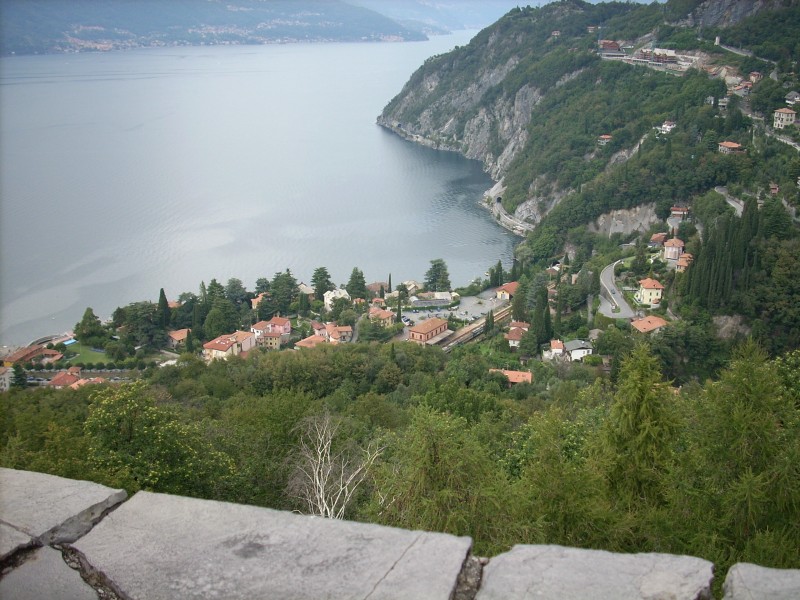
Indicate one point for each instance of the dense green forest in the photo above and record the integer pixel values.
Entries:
(627, 464)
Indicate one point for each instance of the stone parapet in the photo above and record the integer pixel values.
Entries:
(65, 539)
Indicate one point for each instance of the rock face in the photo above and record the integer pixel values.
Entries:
(494, 134)
(724, 13)
(626, 221)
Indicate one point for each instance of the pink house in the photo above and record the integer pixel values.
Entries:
(280, 325)
(673, 249)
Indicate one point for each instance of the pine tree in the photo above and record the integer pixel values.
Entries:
(639, 429)
(19, 379)
(399, 310)
(390, 282)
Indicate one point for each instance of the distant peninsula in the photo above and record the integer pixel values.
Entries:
(68, 26)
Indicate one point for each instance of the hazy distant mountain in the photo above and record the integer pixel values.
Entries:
(439, 16)
(47, 26)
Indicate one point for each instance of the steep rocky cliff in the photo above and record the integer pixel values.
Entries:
(725, 13)
(469, 101)
(531, 95)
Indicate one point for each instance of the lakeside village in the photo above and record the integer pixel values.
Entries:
(146, 334)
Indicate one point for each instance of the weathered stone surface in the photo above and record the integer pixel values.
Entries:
(52, 509)
(157, 546)
(45, 575)
(12, 540)
(561, 573)
(746, 581)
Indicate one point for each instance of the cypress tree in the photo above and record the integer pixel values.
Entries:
(163, 310)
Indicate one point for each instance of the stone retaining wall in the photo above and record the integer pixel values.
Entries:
(61, 538)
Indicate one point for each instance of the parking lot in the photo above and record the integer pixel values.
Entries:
(469, 309)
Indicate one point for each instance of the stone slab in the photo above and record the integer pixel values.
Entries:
(157, 546)
(556, 572)
(45, 575)
(12, 540)
(52, 509)
(746, 581)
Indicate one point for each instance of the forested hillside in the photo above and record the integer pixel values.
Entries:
(629, 466)
(561, 103)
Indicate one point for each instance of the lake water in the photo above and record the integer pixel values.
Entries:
(126, 172)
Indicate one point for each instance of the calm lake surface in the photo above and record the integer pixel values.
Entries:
(126, 172)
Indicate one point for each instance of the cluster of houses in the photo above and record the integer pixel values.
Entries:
(672, 248)
(268, 334)
(648, 56)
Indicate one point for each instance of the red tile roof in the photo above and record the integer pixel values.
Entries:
(648, 324)
(510, 288)
(310, 342)
(515, 376)
(650, 284)
(425, 327)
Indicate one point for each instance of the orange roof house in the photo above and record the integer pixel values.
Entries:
(515, 376)
(507, 291)
(658, 239)
(425, 331)
(177, 337)
(684, 260)
(727, 147)
(649, 291)
(62, 380)
(384, 317)
(311, 341)
(648, 324)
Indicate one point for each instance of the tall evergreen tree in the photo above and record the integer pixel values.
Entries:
(357, 285)
(437, 279)
(321, 282)
(639, 429)
(488, 326)
(19, 378)
(163, 310)
(190, 342)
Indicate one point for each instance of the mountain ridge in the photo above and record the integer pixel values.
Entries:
(56, 26)
(486, 100)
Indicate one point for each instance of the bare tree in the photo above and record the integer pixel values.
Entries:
(326, 479)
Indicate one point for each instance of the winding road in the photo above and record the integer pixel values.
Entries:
(611, 297)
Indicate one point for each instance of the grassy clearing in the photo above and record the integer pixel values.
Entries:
(85, 354)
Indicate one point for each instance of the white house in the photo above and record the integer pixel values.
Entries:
(783, 117)
(332, 295)
(577, 349)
